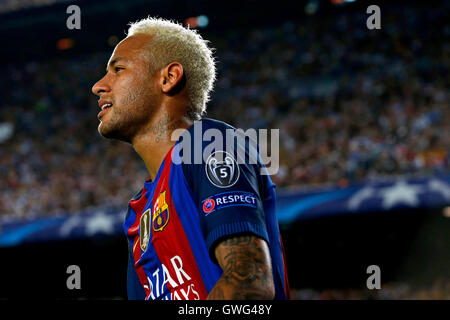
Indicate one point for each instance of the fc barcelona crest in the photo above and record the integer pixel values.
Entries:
(160, 213)
(144, 229)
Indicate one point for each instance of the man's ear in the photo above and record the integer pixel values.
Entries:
(172, 78)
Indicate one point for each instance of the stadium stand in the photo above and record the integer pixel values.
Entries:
(350, 106)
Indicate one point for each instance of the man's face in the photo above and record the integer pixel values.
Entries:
(128, 86)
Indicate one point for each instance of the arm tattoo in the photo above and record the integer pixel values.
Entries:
(247, 269)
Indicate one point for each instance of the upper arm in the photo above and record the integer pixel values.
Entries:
(247, 268)
(228, 193)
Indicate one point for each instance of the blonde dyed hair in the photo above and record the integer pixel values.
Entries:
(172, 42)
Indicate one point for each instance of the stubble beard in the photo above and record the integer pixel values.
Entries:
(129, 116)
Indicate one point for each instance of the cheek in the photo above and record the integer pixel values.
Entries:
(133, 91)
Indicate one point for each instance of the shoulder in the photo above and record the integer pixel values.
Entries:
(209, 135)
(206, 124)
(214, 143)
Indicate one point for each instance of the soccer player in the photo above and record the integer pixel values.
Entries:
(198, 229)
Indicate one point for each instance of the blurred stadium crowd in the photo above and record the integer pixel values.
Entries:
(439, 290)
(351, 104)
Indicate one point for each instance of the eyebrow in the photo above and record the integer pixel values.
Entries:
(114, 61)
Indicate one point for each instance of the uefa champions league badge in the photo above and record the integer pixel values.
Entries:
(222, 169)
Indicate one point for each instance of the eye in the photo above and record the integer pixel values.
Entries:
(117, 69)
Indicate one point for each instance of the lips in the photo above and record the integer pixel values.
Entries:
(104, 105)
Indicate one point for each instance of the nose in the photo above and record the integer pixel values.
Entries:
(101, 86)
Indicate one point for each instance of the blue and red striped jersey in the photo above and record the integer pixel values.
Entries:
(175, 221)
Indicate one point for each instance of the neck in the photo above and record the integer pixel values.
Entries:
(156, 140)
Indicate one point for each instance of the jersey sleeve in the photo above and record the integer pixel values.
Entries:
(228, 196)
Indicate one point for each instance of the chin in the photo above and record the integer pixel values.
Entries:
(111, 132)
(102, 131)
